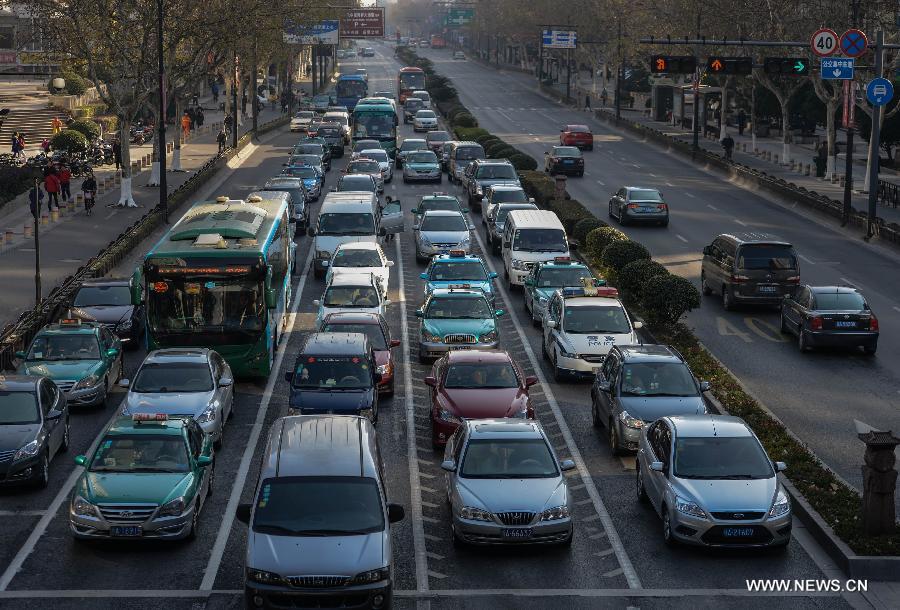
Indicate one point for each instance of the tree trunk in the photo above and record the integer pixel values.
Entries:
(154, 166)
(785, 131)
(723, 122)
(126, 198)
(176, 153)
(831, 135)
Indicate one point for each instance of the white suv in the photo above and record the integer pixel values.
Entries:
(352, 292)
(360, 257)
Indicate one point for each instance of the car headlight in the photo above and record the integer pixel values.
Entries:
(323, 254)
(465, 240)
(383, 369)
(488, 337)
(209, 414)
(82, 507)
(429, 338)
(689, 508)
(566, 354)
(264, 577)
(519, 265)
(445, 415)
(542, 298)
(172, 509)
(631, 422)
(364, 578)
(475, 514)
(87, 382)
(424, 239)
(28, 451)
(555, 513)
(124, 326)
(781, 505)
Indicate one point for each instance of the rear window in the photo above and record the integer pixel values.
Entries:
(578, 128)
(469, 152)
(766, 256)
(840, 301)
(645, 195)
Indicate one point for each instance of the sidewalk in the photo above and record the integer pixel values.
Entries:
(69, 241)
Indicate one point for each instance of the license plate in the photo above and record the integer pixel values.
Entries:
(766, 288)
(126, 531)
(845, 324)
(520, 532)
(738, 532)
(568, 161)
(460, 347)
(646, 209)
(443, 251)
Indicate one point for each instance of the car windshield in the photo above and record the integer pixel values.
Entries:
(425, 114)
(459, 308)
(308, 149)
(421, 157)
(586, 319)
(448, 271)
(229, 309)
(304, 159)
(18, 408)
(305, 173)
(374, 126)
(657, 379)
(372, 331)
(141, 453)
(498, 171)
(412, 80)
(378, 155)
(645, 195)
(351, 88)
(414, 105)
(305, 114)
(481, 375)
(351, 296)
(337, 118)
(578, 128)
(173, 377)
(540, 240)
(766, 256)
(508, 459)
(409, 145)
(437, 136)
(558, 277)
(330, 132)
(363, 167)
(467, 153)
(80, 346)
(721, 457)
(357, 183)
(504, 211)
(838, 301)
(355, 257)
(363, 145)
(332, 373)
(449, 205)
(443, 223)
(318, 506)
(566, 151)
(94, 296)
(509, 195)
(346, 224)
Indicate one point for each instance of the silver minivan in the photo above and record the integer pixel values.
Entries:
(319, 522)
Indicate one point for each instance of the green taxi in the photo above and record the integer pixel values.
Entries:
(548, 277)
(459, 270)
(148, 478)
(457, 319)
(437, 201)
(83, 358)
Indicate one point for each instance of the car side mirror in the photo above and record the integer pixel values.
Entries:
(531, 380)
(289, 376)
(124, 383)
(423, 275)
(604, 386)
(499, 313)
(80, 460)
(395, 513)
(224, 382)
(243, 513)
(529, 281)
(567, 465)
(311, 231)
(395, 342)
(387, 301)
(420, 313)
(317, 302)
(204, 460)
(112, 352)
(20, 355)
(448, 465)
(551, 323)
(657, 466)
(430, 380)
(707, 250)
(705, 386)
(389, 264)
(54, 414)
(638, 325)
(780, 466)
(492, 275)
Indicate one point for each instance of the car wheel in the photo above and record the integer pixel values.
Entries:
(610, 211)
(391, 388)
(802, 341)
(581, 174)
(590, 147)
(567, 541)
(192, 534)
(613, 438)
(668, 538)
(64, 446)
(664, 223)
(212, 479)
(704, 287)
(870, 350)
(639, 485)
(42, 478)
(727, 300)
(458, 543)
(595, 415)
(558, 375)
(104, 401)
(544, 349)
(405, 180)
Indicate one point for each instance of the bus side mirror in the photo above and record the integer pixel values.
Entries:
(136, 297)
(271, 300)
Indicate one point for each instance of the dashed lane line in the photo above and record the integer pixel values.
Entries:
(681, 238)
(740, 222)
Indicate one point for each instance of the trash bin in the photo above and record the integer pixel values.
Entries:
(820, 166)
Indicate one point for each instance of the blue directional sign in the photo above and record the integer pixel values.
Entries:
(840, 68)
(879, 91)
(558, 39)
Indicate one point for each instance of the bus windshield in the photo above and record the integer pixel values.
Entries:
(412, 80)
(351, 88)
(373, 126)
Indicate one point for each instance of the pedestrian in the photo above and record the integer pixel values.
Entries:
(728, 145)
(603, 98)
(272, 100)
(742, 121)
(45, 146)
(89, 188)
(587, 102)
(117, 153)
(35, 198)
(192, 115)
(56, 125)
(185, 124)
(52, 186)
(284, 102)
(65, 179)
(22, 146)
(15, 144)
(199, 116)
(215, 92)
(221, 138)
(244, 104)
(227, 123)
(195, 100)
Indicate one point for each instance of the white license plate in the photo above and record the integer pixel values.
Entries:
(519, 532)
(738, 532)
(126, 531)
(766, 288)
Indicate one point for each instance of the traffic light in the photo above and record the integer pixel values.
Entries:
(671, 64)
(729, 65)
(787, 66)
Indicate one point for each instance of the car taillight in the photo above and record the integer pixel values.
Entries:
(633, 206)
(815, 323)
(739, 279)
(873, 323)
(794, 280)
(662, 207)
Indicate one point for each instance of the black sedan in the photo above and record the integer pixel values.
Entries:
(34, 426)
(564, 160)
(108, 301)
(830, 316)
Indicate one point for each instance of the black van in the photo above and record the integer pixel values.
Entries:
(755, 268)
(335, 373)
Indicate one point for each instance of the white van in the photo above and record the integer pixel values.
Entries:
(350, 216)
(342, 119)
(529, 237)
(424, 96)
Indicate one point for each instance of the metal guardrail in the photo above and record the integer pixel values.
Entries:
(17, 335)
(888, 193)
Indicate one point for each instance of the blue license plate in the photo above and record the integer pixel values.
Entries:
(519, 532)
(647, 209)
(767, 288)
(126, 531)
(845, 324)
(568, 161)
(738, 532)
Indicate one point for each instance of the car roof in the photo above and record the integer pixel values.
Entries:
(358, 245)
(449, 258)
(355, 317)
(106, 281)
(352, 279)
(755, 237)
(442, 213)
(437, 132)
(458, 293)
(412, 140)
(583, 301)
(492, 162)
(178, 354)
(126, 425)
(648, 353)
(709, 426)
(321, 445)
(508, 187)
(834, 290)
(574, 127)
(544, 264)
(285, 181)
(380, 151)
(333, 343)
(18, 383)
(87, 328)
(503, 428)
(470, 356)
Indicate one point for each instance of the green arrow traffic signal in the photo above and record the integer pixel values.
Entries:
(786, 66)
(800, 67)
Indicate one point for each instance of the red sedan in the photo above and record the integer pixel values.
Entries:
(476, 385)
(373, 326)
(577, 135)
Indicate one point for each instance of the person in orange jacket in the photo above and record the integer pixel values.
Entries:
(56, 124)
(185, 124)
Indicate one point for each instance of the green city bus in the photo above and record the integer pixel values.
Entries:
(375, 118)
(221, 278)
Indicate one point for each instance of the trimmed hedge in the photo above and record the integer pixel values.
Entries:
(89, 128)
(569, 211)
(16, 180)
(621, 252)
(469, 133)
(484, 138)
(635, 274)
(598, 239)
(585, 226)
(464, 119)
(668, 297)
(69, 140)
(538, 185)
(522, 161)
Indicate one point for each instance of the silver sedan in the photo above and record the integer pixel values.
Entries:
(192, 382)
(508, 486)
(440, 231)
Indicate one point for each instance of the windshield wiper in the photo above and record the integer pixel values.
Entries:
(738, 476)
(330, 532)
(668, 394)
(274, 529)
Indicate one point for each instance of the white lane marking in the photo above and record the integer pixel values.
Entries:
(669, 184)
(412, 452)
(111, 214)
(896, 309)
(631, 576)
(740, 222)
(846, 281)
(692, 197)
(806, 260)
(681, 238)
(712, 207)
(601, 183)
(218, 550)
(651, 175)
(505, 116)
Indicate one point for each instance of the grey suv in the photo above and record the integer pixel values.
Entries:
(637, 385)
(484, 173)
(755, 268)
(319, 520)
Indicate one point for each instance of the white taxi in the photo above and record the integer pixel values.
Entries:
(360, 257)
(352, 292)
(581, 325)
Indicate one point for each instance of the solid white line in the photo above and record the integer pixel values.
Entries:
(615, 542)
(692, 196)
(412, 454)
(681, 238)
(846, 281)
(806, 260)
(601, 183)
(740, 222)
(669, 184)
(218, 550)
(712, 207)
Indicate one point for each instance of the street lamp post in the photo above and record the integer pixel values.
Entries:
(37, 244)
(161, 144)
(234, 101)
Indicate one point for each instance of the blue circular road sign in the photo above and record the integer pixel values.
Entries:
(879, 91)
(854, 43)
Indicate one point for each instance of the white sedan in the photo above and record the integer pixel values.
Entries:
(384, 161)
(352, 292)
(301, 120)
(361, 257)
(425, 120)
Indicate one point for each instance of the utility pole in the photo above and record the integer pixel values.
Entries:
(618, 93)
(253, 70)
(38, 296)
(851, 128)
(695, 123)
(234, 100)
(876, 138)
(161, 143)
(568, 74)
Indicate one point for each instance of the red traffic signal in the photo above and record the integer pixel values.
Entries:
(729, 65)
(673, 64)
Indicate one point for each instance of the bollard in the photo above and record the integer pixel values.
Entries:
(808, 171)
(118, 178)
(45, 219)
(79, 200)
(9, 235)
(776, 159)
(54, 215)
(28, 230)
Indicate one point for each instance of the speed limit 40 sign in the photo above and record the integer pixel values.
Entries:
(824, 42)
